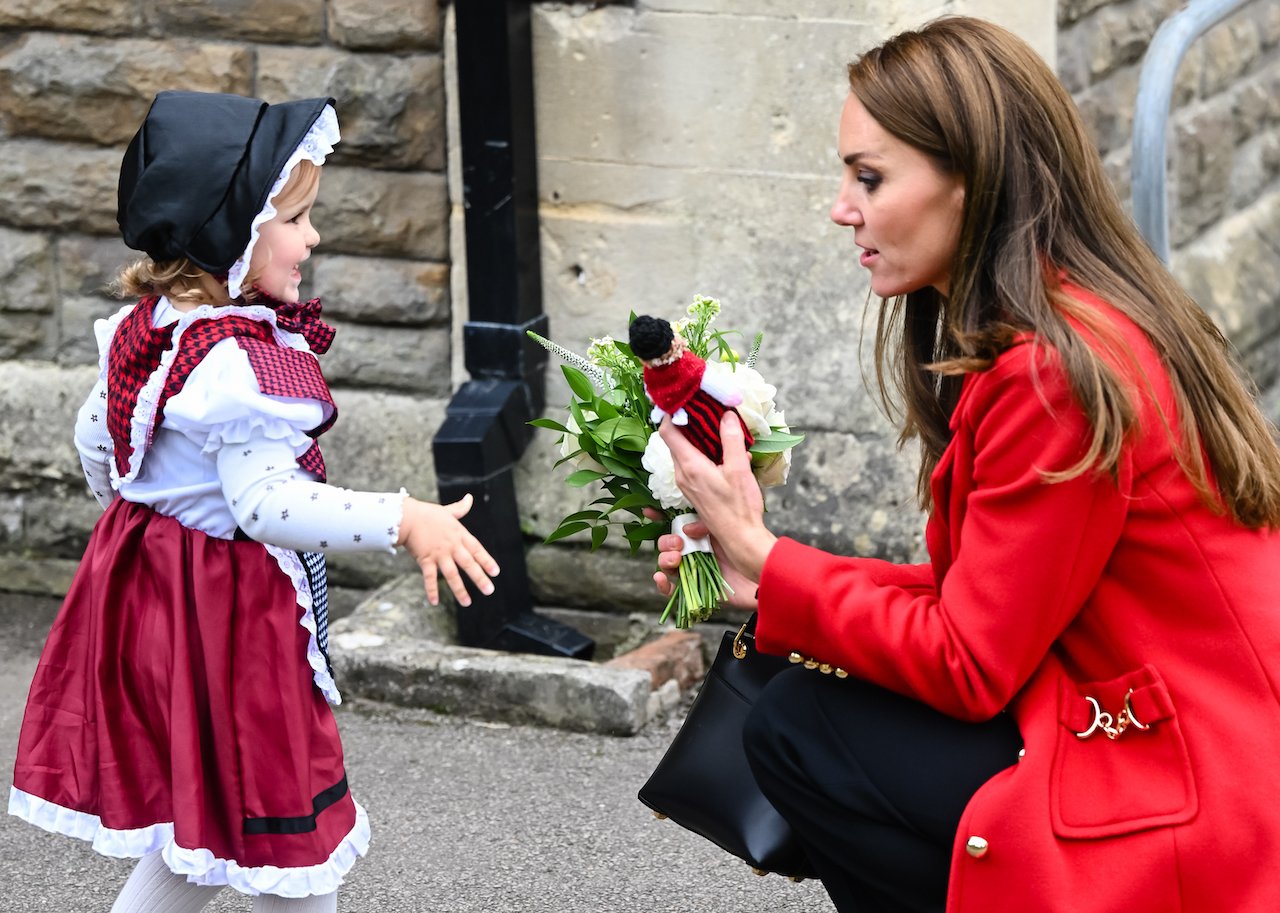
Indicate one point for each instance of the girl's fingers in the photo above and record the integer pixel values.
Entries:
(449, 571)
(429, 580)
(464, 559)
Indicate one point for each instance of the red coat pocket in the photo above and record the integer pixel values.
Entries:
(1121, 763)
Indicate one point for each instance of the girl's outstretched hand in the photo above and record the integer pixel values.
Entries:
(443, 546)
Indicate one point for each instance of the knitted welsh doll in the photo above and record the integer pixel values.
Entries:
(677, 382)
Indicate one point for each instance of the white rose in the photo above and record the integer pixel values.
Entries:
(662, 473)
(757, 407)
(771, 469)
(569, 444)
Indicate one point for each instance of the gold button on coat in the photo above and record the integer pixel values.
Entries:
(976, 847)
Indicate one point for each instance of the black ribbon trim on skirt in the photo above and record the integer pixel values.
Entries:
(302, 824)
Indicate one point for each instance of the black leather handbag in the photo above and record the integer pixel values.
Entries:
(703, 782)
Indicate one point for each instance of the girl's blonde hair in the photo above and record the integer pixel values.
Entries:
(983, 105)
(182, 282)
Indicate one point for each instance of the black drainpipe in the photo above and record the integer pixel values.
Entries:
(485, 430)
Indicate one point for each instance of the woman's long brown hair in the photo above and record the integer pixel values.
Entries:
(982, 104)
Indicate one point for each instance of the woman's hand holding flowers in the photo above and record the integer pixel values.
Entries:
(730, 508)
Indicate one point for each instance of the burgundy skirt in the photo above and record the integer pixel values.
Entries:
(177, 707)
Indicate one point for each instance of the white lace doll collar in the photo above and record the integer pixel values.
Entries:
(315, 146)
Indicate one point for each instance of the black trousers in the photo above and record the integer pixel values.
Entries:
(873, 783)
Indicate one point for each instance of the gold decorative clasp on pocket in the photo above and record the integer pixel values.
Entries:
(1112, 726)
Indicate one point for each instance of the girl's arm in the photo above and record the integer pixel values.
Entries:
(275, 501)
(93, 443)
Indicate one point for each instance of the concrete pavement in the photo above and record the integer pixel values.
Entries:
(466, 816)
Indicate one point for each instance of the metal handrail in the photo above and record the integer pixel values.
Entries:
(1151, 116)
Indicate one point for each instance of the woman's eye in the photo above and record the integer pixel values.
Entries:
(869, 180)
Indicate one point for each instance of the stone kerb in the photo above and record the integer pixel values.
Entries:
(396, 648)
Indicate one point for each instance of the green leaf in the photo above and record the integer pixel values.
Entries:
(776, 442)
(617, 467)
(579, 383)
(584, 515)
(604, 408)
(598, 535)
(550, 423)
(583, 477)
(635, 501)
(564, 530)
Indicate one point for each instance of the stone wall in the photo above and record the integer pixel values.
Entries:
(685, 146)
(76, 78)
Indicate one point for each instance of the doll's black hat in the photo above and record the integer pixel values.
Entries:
(199, 170)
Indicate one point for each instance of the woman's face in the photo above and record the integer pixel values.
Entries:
(284, 243)
(904, 210)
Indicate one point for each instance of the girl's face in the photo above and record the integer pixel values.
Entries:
(283, 244)
(905, 211)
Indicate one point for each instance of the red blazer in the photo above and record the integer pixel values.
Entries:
(1040, 596)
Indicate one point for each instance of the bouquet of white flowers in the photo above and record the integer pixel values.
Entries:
(609, 437)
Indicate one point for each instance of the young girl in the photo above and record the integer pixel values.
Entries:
(180, 712)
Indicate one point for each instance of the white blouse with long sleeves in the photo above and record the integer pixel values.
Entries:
(225, 454)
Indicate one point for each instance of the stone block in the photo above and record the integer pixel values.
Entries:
(382, 213)
(97, 90)
(507, 687)
(284, 21)
(380, 290)
(382, 441)
(1107, 109)
(39, 402)
(676, 656)
(1255, 103)
(409, 359)
(370, 25)
(608, 580)
(27, 336)
(89, 266)
(1256, 166)
(103, 17)
(645, 86)
(56, 186)
(40, 577)
(1234, 272)
(77, 344)
(57, 522)
(391, 108)
(26, 272)
(1230, 49)
(1201, 171)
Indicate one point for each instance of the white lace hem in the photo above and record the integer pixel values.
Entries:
(291, 564)
(315, 147)
(199, 865)
(142, 422)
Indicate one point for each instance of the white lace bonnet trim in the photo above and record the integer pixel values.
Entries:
(315, 146)
(199, 865)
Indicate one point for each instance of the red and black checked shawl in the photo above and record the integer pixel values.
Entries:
(136, 351)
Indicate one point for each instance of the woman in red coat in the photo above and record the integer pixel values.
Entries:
(1075, 706)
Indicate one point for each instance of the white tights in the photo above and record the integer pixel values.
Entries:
(152, 888)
